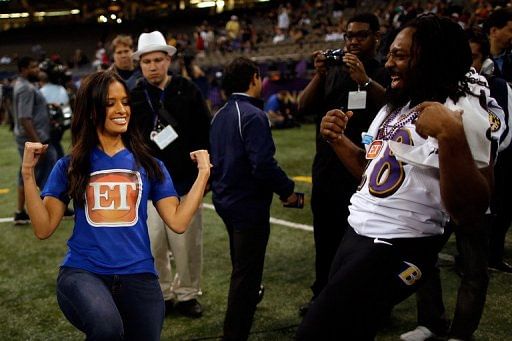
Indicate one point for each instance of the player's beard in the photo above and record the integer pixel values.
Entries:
(396, 98)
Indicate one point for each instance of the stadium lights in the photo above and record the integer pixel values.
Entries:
(14, 15)
(38, 14)
(56, 13)
(205, 4)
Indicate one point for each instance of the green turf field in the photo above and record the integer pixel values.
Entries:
(28, 269)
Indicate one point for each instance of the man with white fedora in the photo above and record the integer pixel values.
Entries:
(175, 121)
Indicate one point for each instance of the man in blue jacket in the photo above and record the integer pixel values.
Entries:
(244, 177)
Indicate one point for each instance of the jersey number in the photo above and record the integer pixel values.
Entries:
(388, 173)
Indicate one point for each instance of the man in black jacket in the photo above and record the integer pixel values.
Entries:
(175, 121)
(244, 177)
(353, 81)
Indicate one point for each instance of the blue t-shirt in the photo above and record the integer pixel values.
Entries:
(110, 235)
(272, 104)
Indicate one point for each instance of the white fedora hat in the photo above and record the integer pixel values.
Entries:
(152, 42)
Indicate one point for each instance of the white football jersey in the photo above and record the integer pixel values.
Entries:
(398, 199)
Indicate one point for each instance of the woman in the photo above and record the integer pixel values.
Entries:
(107, 286)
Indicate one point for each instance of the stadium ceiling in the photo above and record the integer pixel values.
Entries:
(9, 6)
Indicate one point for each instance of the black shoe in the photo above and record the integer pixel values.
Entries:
(169, 307)
(261, 293)
(21, 218)
(501, 266)
(191, 308)
(69, 213)
(303, 310)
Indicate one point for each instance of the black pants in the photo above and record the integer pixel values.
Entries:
(330, 198)
(472, 246)
(247, 249)
(500, 206)
(368, 277)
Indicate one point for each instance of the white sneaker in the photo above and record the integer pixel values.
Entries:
(421, 333)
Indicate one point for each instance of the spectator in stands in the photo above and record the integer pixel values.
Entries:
(233, 28)
(283, 19)
(296, 35)
(31, 124)
(280, 109)
(174, 120)
(122, 50)
(107, 285)
(336, 84)
(79, 59)
(333, 34)
(208, 37)
(243, 182)
(279, 36)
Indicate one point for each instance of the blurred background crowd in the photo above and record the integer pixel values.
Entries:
(75, 39)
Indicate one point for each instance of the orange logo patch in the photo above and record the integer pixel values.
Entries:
(112, 198)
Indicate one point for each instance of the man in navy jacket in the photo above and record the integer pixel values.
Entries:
(244, 177)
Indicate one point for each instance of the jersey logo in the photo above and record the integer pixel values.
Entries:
(494, 121)
(113, 197)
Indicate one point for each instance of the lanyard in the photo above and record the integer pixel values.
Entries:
(155, 113)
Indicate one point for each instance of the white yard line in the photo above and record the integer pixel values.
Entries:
(276, 221)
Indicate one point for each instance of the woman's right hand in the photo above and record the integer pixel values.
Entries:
(32, 153)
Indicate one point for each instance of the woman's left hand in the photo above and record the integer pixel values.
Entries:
(202, 158)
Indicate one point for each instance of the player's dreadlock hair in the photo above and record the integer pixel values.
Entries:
(440, 59)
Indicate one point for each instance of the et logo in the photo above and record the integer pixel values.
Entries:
(112, 198)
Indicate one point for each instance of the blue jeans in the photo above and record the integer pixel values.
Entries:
(111, 307)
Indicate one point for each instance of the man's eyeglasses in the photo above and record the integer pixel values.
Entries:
(359, 35)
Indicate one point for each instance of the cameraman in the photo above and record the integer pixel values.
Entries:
(57, 98)
(351, 79)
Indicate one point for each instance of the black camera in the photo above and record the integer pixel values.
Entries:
(334, 57)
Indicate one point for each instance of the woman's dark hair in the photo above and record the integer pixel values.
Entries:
(440, 60)
(238, 75)
(89, 115)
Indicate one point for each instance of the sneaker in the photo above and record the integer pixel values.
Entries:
(421, 333)
(21, 218)
(191, 308)
(69, 213)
